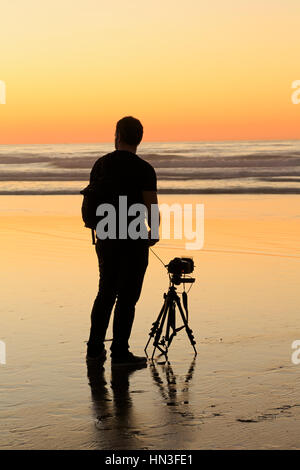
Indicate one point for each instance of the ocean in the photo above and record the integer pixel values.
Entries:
(249, 167)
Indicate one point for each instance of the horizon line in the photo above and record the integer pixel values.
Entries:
(158, 141)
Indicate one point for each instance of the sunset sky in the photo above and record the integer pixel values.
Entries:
(190, 70)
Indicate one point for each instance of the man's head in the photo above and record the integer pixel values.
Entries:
(129, 133)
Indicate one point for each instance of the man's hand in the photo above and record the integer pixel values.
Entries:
(150, 198)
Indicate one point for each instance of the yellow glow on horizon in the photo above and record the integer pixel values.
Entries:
(188, 70)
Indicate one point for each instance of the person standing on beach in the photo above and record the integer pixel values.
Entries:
(122, 262)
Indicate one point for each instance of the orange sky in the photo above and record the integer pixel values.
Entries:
(189, 70)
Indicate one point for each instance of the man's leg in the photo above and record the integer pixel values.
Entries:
(104, 302)
(132, 268)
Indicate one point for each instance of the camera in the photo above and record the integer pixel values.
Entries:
(179, 267)
(178, 270)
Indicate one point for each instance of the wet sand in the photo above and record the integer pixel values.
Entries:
(241, 391)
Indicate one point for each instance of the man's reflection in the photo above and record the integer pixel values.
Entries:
(113, 413)
(100, 395)
(114, 407)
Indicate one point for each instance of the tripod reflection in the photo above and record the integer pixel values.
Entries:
(173, 391)
(123, 422)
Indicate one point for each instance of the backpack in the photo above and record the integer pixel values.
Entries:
(105, 188)
(102, 190)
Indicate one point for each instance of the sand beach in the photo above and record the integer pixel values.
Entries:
(240, 392)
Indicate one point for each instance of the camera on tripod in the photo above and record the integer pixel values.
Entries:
(178, 268)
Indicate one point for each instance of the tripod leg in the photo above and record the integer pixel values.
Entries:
(160, 328)
(160, 325)
(171, 324)
(187, 328)
(171, 320)
(155, 325)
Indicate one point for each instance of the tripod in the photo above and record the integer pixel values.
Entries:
(168, 315)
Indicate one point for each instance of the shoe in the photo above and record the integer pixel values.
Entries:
(94, 355)
(128, 359)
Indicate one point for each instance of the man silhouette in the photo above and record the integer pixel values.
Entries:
(122, 262)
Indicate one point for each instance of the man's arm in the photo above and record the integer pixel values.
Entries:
(151, 203)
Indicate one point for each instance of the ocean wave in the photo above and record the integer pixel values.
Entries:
(235, 190)
(169, 174)
(264, 167)
(159, 162)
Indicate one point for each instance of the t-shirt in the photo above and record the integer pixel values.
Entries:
(134, 173)
(131, 175)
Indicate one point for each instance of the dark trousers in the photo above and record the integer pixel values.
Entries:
(122, 266)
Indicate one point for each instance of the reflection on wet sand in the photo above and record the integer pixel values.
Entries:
(99, 390)
(247, 293)
(169, 392)
(115, 413)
